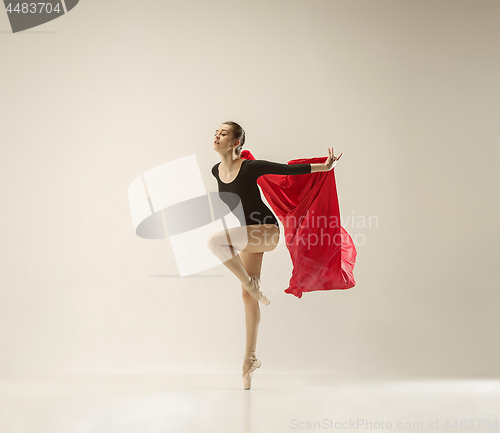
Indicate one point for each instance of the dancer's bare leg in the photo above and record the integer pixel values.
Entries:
(251, 242)
(253, 239)
(253, 264)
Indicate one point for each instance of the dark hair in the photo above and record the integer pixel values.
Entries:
(238, 134)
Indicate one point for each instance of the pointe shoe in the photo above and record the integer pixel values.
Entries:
(253, 288)
(247, 377)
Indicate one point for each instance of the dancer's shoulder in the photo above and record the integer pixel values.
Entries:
(215, 169)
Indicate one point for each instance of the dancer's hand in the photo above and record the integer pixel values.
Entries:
(331, 160)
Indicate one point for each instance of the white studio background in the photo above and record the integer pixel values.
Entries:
(407, 90)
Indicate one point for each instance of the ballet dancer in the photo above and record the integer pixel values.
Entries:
(258, 224)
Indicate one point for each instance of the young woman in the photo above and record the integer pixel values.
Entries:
(259, 232)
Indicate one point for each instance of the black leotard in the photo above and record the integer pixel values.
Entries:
(245, 186)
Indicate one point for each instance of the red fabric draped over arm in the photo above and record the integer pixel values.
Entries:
(322, 252)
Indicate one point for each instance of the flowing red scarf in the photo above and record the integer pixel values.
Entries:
(322, 252)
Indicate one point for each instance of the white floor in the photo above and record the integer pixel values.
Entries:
(217, 403)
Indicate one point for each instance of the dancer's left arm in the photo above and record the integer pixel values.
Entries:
(330, 162)
(259, 167)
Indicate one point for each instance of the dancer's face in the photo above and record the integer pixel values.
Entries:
(223, 140)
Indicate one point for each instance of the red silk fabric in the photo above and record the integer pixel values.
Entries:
(322, 252)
